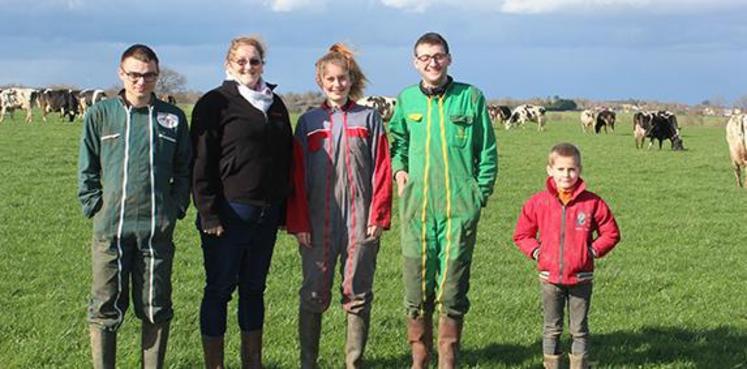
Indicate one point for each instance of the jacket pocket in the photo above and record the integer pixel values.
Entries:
(461, 130)
(316, 138)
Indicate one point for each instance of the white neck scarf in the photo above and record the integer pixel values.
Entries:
(261, 98)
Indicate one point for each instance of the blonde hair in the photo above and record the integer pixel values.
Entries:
(240, 41)
(342, 56)
(566, 150)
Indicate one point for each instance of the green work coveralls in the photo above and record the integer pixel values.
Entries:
(134, 181)
(447, 146)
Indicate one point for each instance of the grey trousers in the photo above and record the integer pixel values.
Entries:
(554, 300)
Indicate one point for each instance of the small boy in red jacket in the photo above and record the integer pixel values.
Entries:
(557, 228)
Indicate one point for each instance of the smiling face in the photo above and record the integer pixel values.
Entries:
(432, 62)
(564, 171)
(139, 80)
(335, 82)
(246, 65)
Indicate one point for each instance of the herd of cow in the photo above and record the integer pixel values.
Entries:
(68, 103)
(655, 125)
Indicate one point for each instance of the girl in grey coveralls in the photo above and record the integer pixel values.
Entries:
(342, 174)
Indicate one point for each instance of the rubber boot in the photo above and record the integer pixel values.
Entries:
(251, 349)
(212, 349)
(355, 343)
(579, 361)
(420, 337)
(449, 334)
(309, 330)
(103, 348)
(552, 361)
(153, 339)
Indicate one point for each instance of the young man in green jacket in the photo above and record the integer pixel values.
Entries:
(134, 180)
(444, 161)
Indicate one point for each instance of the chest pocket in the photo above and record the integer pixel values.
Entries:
(461, 129)
(165, 146)
(315, 139)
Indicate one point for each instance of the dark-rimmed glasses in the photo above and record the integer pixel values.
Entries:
(135, 76)
(438, 57)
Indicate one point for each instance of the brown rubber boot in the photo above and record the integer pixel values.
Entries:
(153, 338)
(251, 350)
(357, 335)
(103, 348)
(309, 330)
(420, 337)
(449, 334)
(551, 361)
(212, 348)
(579, 361)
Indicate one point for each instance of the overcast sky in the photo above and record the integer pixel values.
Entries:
(669, 50)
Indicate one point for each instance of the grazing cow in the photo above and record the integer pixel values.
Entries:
(659, 125)
(87, 98)
(499, 113)
(737, 139)
(168, 98)
(588, 117)
(384, 105)
(18, 98)
(525, 113)
(62, 101)
(605, 118)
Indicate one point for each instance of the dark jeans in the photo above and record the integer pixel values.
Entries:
(555, 298)
(240, 257)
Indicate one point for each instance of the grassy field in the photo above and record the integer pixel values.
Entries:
(671, 295)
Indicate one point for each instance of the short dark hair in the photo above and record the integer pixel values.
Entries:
(140, 52)
(431, 38)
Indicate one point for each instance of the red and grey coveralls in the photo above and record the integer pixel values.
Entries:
(342, 180)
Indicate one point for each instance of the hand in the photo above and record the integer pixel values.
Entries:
(374, 231)
(215, 231)
(401, 178)
(304, 239)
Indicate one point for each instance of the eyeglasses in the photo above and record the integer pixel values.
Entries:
(134, 76)
(438, 57)
(253, 62)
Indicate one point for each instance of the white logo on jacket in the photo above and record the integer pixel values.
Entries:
(167, 120)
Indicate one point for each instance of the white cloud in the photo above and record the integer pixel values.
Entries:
(565, 6)
(292, 5)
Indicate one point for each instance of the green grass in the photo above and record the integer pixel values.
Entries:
(671, 295)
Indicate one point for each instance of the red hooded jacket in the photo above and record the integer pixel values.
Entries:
(564, 235)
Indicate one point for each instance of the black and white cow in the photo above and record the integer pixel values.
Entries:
(17, 99)
(499, 113)
(605, 118)
(62, 101)
(525, 113)
(383, 104)
(87, 98)
(660, 125)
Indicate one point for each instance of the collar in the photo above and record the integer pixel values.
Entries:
(121, 96)
(436, 91)
(232, 86)
(580, 187)
(345, 107)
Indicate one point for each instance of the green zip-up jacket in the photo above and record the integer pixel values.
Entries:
(134, 168)
(444, 142)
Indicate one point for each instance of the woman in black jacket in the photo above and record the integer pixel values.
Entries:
(243, 145)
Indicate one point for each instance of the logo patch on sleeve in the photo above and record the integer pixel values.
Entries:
(167, 120)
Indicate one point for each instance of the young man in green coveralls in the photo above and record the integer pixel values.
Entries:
(134, 179)
(444, 161)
